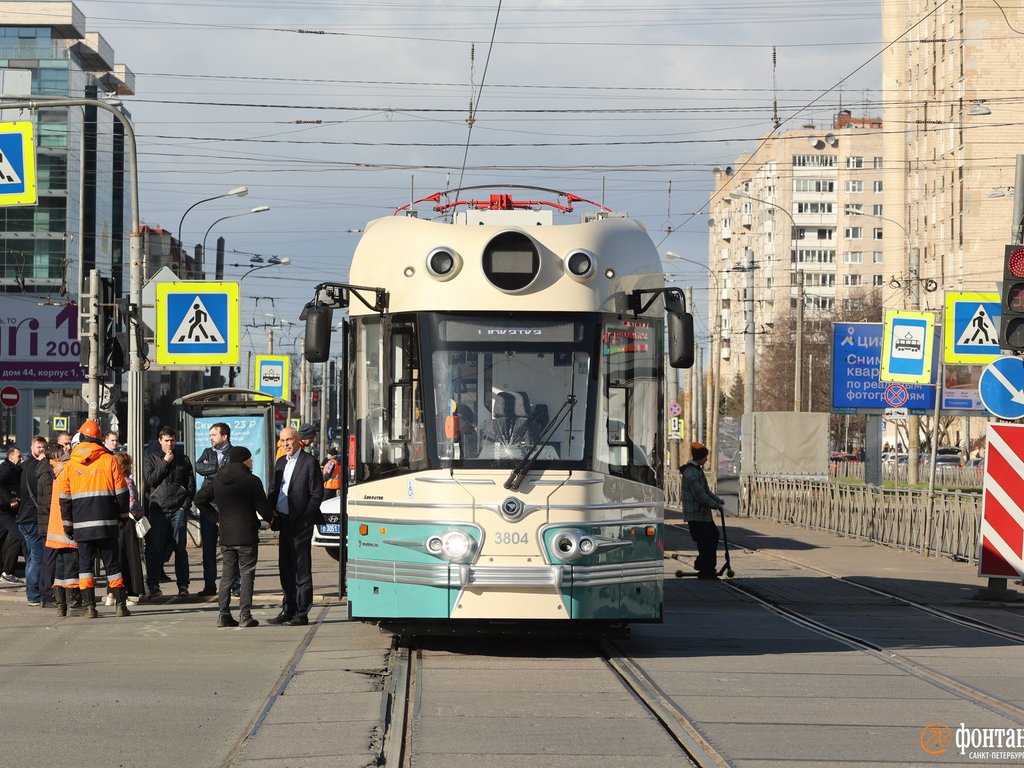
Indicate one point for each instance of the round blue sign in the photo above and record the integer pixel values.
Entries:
(1001, 388)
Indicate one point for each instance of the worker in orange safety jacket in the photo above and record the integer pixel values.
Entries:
(332, 473)
(93, 507)
(65, 567)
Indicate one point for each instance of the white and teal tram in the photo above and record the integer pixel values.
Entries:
(504, 401)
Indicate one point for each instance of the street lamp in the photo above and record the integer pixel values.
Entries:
(716, 384)
(236, 192)
(797, 275)
(257, 209)
(273, 261)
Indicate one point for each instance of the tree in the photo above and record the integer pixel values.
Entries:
(734, 399)
(775, 371)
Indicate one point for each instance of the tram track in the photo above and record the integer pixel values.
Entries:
(405, 687)
(922, 672)
(959, 619)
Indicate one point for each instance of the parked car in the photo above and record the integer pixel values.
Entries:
(949, 456)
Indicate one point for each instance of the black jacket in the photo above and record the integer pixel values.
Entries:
(27, 509)
(10, 485)
(239, 497)
(169, 486)
(207, 466)
(44, 493)
(305, 492)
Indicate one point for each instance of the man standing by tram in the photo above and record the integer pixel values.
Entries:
(296, 491)
(93, 506)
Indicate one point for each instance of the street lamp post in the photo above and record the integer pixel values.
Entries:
(136, 374)
(236, 192)
(798, 278)
(716, 368)
(257, 209)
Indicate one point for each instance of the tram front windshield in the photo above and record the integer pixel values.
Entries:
(505, 386)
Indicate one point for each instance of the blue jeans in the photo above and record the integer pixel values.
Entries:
(34, 543)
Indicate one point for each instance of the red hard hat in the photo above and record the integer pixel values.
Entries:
(89, 429)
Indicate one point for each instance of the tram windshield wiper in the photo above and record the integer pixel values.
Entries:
(515, 479)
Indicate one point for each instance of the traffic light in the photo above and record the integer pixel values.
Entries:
(1011, 323)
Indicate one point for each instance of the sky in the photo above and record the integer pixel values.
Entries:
(334, 113)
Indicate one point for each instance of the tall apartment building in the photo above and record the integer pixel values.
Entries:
(810, 204)
(953, 129)
(81, 220)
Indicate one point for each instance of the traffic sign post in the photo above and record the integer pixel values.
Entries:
(856, 363)
(197, 323)
(272, 375)
(9, 396)
(1002, 519)
(1002, 388)
(17, 164)
(972, 327)
(907, 341)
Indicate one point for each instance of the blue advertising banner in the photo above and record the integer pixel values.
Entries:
(247, 431)
(856, 366)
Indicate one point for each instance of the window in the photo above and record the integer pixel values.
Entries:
(854, 162)
(851, 280)
(812, 208)
(876, 233)
(876, 257)
(853, 257)
(876, 280)
(854, 209)
(854, 185)
(814, 185)
(814, 161)
(877, 186)
(876, 210)
(854, 233)
(826, 234)
(877, 163)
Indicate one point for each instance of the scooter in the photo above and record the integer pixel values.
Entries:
(727, 566)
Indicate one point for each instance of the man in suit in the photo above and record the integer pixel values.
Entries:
(296, 491)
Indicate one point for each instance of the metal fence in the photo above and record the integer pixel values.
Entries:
(894, 517)
(945, 474)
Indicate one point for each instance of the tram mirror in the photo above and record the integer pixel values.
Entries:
(680, 339)
(317, 343)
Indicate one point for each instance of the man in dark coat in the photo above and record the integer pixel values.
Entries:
(211, 460)
(28, 521)
(239, 498)
(10, 537)
(170, 487)
(295, 493)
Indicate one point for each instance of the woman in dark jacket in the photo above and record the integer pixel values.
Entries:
(234, 499)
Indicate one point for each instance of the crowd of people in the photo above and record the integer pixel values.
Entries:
(72, 504)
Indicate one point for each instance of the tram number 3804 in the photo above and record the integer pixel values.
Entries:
(511, 537)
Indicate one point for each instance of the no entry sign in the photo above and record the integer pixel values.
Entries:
(9, 396)
(1002, 519)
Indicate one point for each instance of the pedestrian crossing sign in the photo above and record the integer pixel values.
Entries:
(197, 323)
(972, 327)
(17, 164)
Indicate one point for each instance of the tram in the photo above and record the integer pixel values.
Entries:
(503, 411)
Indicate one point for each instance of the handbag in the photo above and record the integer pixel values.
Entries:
(142, 526)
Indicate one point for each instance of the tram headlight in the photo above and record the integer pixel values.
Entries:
(443, 263)
(455, 545)
(434, 545)
(581, 265)
(566, 545)
(587, 546)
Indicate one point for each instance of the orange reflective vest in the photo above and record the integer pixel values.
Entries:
(93, 493)
(332, 475)
(55, 536)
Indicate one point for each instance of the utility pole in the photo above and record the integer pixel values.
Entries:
(94, 315)
(914, 422)
(748, 332)
(798, 357)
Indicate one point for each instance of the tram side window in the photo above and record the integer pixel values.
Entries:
(387, 400)
(628, 424)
